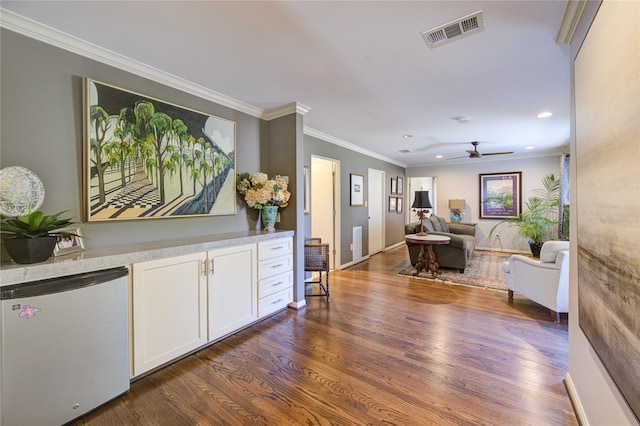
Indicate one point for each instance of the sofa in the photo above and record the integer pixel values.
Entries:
(457, 253)
(544, 280)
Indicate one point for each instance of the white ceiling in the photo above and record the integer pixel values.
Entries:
(361, 67)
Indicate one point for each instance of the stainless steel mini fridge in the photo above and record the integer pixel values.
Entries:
(65, 347)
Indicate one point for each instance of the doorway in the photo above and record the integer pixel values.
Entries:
(375, 196)
(421, 184)
(325, 205)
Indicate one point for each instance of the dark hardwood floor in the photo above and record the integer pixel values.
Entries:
(385, 350)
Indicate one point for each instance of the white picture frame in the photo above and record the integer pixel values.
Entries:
(69, 244)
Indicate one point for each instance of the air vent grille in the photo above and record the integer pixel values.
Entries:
(459, 28)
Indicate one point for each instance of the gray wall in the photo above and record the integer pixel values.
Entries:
(42, 129)
(355, 162)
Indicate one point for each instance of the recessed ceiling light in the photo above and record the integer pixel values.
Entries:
(407, 136)
(439, 156)
(529, 147)
(544, 114)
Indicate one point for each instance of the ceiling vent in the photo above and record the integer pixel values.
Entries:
(465, 26)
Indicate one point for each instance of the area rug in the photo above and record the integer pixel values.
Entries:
(484, 270)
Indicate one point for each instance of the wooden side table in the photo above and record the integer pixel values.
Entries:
(429, 262)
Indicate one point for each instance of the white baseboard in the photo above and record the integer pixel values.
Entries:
(354, 262)
(503, 250)
(391, 247)
(575, 401)
(297, 305)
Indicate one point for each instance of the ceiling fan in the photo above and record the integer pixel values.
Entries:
(476, 154)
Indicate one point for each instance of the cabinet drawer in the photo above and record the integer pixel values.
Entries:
(274, 302)
(274, 284)
(275, 248)
(271, 267)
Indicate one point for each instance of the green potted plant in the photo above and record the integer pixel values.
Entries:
(539, 216)
(32, 238)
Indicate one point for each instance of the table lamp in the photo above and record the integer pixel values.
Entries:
(421, 206)
(456, 207)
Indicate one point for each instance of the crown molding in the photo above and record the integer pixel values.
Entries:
(37, 31)
(51, 36)
(570, 20)
(293, 107)
(348, 145)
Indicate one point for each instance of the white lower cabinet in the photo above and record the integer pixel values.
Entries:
(232, 290)
(169, 309)
(181, 303)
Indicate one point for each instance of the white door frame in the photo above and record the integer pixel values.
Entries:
(334, 214)
(427, 183)
(375, 194)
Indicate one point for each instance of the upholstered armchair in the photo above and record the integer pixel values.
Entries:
(544, 280)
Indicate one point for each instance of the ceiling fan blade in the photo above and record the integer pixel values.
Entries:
(471, 151)
(455, 158)
(497, 153)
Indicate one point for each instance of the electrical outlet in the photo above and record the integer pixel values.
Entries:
(351, 247)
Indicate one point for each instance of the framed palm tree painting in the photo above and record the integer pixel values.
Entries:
(145, 158)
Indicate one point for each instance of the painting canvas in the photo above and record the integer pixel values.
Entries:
(500, 195)
(146, 158)
(608, 205)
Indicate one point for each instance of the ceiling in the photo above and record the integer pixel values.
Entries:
(361, 67)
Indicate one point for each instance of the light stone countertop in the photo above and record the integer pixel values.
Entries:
(110, 257)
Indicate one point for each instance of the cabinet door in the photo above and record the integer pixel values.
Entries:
(169, 309)
(232, 289)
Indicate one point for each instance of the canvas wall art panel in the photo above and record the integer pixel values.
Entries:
(607, 212)
(145, 158)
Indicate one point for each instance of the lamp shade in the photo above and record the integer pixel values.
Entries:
(457, 204)
(422, 200)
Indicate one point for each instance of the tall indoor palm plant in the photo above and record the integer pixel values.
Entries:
(539, 216)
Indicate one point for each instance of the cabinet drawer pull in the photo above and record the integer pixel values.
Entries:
(275, 302)
(277, 248)
(277, 266)
(276, 284)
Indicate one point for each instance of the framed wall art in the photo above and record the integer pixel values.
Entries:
(394, 186)
(500, 195)
(145, 158)
(399, 205)
(357, 190)
(393, 204)
(400, 185)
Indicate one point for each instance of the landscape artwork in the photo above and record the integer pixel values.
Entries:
(500, 195)
(145, 158)
(608, 208)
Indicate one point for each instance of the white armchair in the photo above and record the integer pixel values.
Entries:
(544, 280)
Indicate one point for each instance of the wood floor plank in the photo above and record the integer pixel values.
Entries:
(387, 349)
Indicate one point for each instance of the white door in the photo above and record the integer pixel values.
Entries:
(324, 208)
(375, 196)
